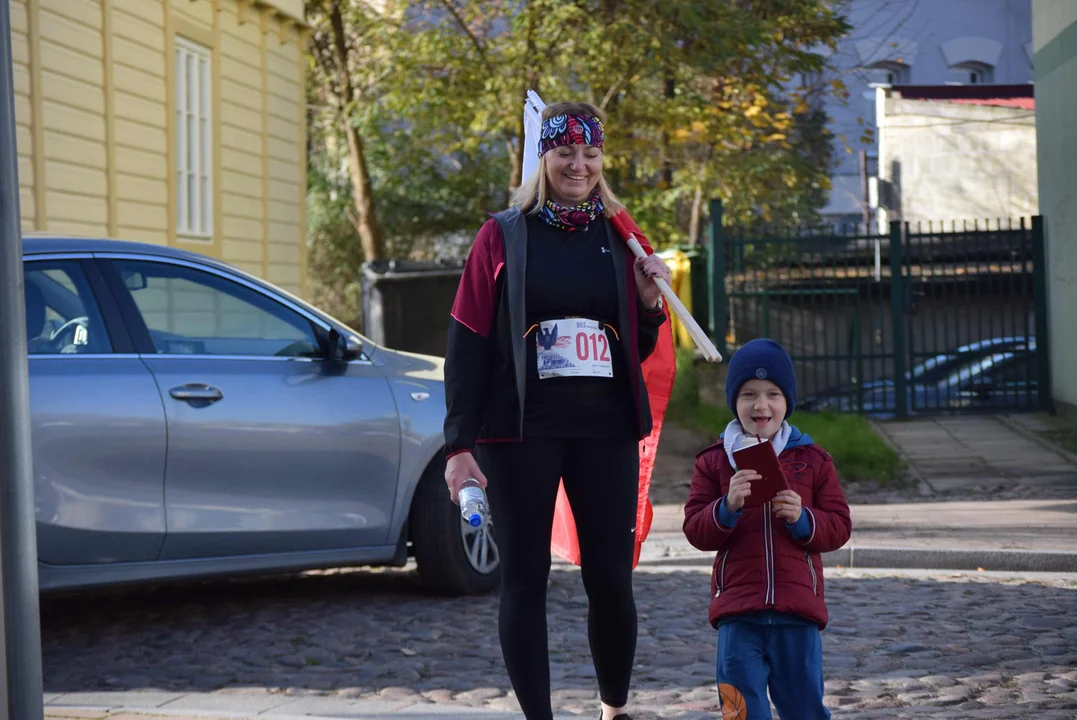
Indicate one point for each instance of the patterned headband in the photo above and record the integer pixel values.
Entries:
(571, 130)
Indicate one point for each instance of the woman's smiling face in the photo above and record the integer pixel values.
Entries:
(572, 172)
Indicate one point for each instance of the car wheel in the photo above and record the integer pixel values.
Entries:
(453, 557)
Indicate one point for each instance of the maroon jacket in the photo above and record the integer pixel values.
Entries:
(759, 565)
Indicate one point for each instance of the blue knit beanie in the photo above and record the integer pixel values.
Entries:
(766, 360)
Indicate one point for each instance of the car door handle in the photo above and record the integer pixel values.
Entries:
(196, 391)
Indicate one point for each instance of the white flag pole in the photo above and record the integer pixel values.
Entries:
(710, 352)
(533, 107)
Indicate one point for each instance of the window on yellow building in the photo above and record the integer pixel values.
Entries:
(194, 141)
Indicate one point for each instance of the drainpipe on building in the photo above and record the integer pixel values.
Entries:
(881, 171)
(865, 198)
(20, 624)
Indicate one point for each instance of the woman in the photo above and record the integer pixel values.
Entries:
(551, 322)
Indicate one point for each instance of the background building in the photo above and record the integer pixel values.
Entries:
(1055, 45)
(175, 122)
(956, 154)
(902, 42)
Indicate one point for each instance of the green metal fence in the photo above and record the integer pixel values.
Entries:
(924, 319)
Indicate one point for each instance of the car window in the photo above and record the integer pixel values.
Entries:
(192, 312)
(943, 367)
(934, 369)
(62, 316)
(974, 373)
(1013, 371)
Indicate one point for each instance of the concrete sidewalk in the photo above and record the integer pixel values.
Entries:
(956, 460)
(1016, 535)
(214, 706)
(1033, 525)
(967, 454)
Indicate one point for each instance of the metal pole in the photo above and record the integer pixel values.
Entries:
(18, 541)
(718, 319)
(897, 317)
(865, 198)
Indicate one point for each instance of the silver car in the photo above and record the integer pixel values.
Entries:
(190, 420)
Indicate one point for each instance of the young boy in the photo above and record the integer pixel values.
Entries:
(767, 583)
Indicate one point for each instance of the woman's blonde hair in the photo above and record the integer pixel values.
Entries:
(533, 191)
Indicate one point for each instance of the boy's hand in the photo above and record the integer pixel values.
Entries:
(786, 505)
(740, 487)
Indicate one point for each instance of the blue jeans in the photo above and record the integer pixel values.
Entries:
(787, 659)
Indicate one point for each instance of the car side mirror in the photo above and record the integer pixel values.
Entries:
(342, 349)
(134, 280)
(353, 350)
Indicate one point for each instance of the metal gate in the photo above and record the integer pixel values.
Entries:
(922, 320)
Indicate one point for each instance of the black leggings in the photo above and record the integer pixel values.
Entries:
(601, 480)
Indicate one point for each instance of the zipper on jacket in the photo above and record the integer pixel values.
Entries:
(811, 569)
(768, 543)
(720, 582)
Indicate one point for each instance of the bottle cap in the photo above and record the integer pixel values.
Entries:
(475, 520)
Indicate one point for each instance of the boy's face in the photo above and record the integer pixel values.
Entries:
(761, 408)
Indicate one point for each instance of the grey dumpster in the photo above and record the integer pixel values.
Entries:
(406, 303)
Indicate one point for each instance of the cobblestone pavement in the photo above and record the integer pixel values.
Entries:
(941, 646)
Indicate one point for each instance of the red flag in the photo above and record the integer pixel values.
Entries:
(659, 371)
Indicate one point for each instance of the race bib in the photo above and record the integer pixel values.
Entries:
(573, 347)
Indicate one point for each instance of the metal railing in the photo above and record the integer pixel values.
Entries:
(925, 319)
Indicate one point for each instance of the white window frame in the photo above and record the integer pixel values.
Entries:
(193, 123)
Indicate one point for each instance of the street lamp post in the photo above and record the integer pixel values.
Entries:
(20, 628)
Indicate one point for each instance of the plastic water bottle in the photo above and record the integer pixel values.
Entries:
(473, 504)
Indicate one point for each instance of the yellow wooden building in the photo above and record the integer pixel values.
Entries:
(175, 122)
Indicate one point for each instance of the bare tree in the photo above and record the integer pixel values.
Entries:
(335, 58)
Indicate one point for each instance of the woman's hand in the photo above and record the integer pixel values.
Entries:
(458, 470)
(740, 487)
(646, 270)
(786, 505)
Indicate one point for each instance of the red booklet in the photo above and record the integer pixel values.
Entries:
(761, 458)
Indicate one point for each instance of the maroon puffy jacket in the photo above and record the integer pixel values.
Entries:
(759, 566)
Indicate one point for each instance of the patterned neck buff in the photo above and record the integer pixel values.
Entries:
(571, 130)
(575, 217)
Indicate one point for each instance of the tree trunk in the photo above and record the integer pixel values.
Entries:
(667, 164)
(697, 211)
(516, 157)
(365, 220)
